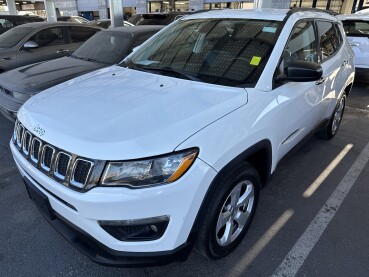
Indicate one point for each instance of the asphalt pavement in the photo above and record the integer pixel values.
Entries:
(312, 218)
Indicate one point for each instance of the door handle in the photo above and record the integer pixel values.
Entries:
(321, 80)
(62, 51)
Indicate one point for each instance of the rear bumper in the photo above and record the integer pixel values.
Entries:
(103, 255)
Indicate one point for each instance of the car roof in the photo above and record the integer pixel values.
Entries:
(265, 14)
(44, 24)
(19, 16)
(353, 17)
(136, 30)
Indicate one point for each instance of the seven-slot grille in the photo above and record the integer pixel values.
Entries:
(65, 168)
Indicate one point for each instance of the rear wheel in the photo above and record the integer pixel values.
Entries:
(331, 129)
(229, 212)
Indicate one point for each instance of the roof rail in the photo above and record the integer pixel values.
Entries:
(298, 9)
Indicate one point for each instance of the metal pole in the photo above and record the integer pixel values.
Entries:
(116, 13)
(360, 6)
(262, 4)
(11, 6)
(50, 11)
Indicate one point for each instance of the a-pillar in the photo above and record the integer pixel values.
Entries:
(50, 10)
(116, 13)
(11, 6)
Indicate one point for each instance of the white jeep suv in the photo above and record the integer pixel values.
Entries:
(135, 162)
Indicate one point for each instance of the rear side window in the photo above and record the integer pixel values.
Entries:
(302, 45)
(49, 37)
(328, 39)
(81, 34)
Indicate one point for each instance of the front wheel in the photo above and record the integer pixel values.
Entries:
(331, 129)
(230, 211)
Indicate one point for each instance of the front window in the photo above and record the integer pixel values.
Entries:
(13, 36)
(49, 37)
(302, 45)
(230, 52)
(356, 28)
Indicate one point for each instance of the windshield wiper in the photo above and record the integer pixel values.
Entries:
(85, 59)
(188, 76)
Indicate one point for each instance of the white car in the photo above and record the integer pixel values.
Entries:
(134, 163)
(357, 31)
(363, 12)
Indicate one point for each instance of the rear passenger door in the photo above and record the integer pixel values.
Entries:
(78, 35)
(332, 60)
(51, 41)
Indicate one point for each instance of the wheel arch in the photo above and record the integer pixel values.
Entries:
(259, 155)
(348, 88)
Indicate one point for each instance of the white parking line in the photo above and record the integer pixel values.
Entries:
(298, 254)
(316, 184)
(250, 255)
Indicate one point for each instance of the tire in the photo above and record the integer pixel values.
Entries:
(331, 129)
(216, 239)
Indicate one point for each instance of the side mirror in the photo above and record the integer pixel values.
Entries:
(30, 45)
(302, 71)
(134, 49)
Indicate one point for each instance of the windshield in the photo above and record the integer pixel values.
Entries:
(230, 52)
(13, 36)
(356, 28)
(105, 47)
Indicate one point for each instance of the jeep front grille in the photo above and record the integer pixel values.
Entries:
(66, 168)
(47, 157)
(81, 171)
(62, 165)
(26, 142)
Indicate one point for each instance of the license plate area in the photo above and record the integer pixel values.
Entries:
(40, 199)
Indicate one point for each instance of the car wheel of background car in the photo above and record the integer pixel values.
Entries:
(331, 129)
(229, 211)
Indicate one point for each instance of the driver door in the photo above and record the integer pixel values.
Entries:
(297, 102)
(51, 42)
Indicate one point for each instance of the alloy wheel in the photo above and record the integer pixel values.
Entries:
(235, 212)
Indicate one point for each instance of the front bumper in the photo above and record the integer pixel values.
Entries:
(180, 201)
(101, 254)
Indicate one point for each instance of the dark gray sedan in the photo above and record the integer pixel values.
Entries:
(103, 49)
(36, 42)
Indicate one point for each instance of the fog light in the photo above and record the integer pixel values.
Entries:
(136, 230)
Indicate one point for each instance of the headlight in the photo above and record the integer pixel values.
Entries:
(23, 97)
(159, 170)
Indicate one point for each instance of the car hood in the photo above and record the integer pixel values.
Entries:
(117, 113)
(34, 78)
